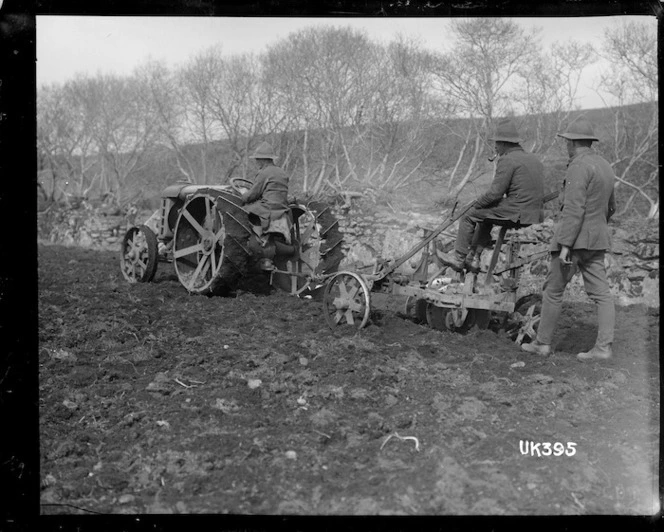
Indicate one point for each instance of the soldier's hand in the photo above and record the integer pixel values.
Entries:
(564, 256)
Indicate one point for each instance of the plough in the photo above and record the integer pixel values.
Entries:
(455, 302)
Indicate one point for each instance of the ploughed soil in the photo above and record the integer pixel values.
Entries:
(155, 401)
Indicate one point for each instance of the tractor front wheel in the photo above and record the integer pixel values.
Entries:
(139, 255)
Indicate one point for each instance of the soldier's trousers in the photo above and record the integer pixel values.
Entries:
(475, 227)
(593, 271)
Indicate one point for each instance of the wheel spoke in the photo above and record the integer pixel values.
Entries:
(208, 218)
(347, 301)
(342, 290)
(197, 273)
(193, 222)
(349, 317)
(355, 288)
(188, 251)
(356, 306)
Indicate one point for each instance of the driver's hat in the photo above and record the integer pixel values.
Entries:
(264, 151)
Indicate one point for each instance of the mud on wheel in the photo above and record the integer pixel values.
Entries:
(138, 262)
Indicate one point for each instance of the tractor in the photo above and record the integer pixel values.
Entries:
(213, 244)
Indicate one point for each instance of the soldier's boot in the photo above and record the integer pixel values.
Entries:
(597, 352)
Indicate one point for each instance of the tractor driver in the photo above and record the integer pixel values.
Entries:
(267, 200)
(515, 196)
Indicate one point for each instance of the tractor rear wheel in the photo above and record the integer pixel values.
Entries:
(318, 239)
(209, 244)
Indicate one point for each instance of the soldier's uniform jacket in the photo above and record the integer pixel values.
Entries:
(588, 202)
(519, 177)
(268, 197)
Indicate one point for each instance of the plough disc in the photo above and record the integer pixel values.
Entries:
(416, 309)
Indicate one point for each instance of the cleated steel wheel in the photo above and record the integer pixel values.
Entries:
(139, 255)
(347, 300)
(318, 240)
(198, 244)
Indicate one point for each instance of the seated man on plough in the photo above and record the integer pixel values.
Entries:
(515, 199)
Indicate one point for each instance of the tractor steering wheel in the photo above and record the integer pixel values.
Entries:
(240, 184)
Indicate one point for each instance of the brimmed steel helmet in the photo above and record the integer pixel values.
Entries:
(580, 129)
(264, 151)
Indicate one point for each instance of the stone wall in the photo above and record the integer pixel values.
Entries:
(99, 228)
(370, 232)
(633, 264)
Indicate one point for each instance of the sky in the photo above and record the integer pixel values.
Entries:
(67, 45)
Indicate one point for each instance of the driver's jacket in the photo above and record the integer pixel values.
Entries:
(268, 197)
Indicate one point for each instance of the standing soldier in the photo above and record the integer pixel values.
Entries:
(580, 240)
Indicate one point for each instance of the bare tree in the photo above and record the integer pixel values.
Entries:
(243, 107)
(163, 97)
(548, 89)
(121, 129)
(478, 76)
(198, 80)
(65, 142)
(631, 84)
(360, 107)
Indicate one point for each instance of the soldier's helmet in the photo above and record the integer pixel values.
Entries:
(506, 132)
(264, 151)
(580, 129)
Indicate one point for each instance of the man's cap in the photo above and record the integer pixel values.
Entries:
(264, 151)
(580, 129)
(506, 132)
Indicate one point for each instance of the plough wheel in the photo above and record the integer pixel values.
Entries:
(316, 231)
(139, 255)
(346, 300)
(526, 318)
(207, 251)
